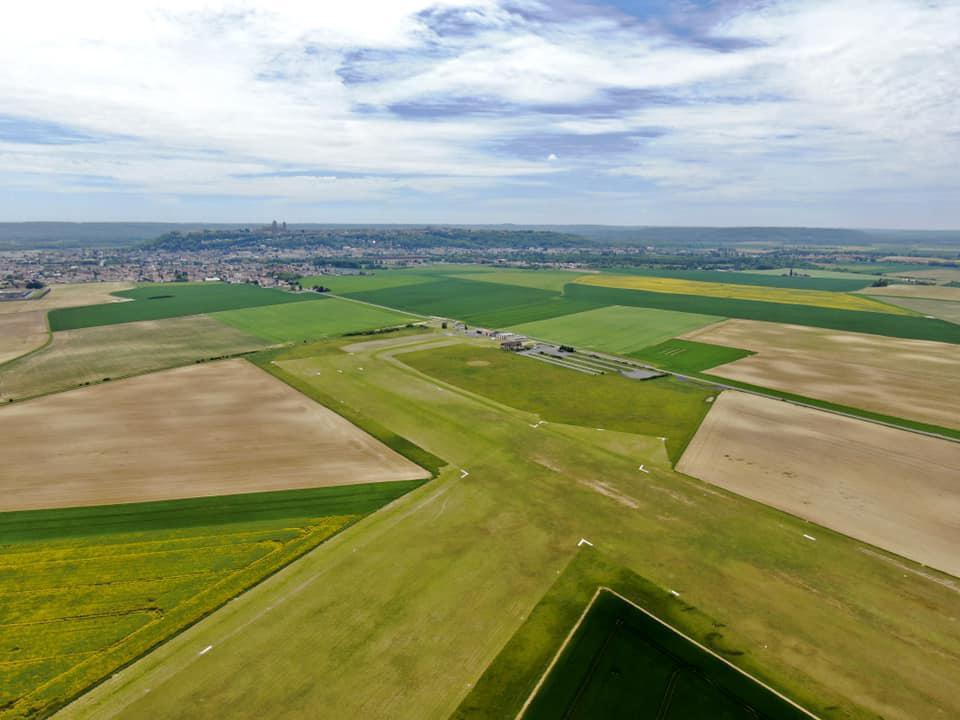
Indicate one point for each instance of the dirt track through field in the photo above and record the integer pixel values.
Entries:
(888, 487)
(212, 429)
(913, 379)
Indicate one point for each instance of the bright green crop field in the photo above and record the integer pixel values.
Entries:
(311, 320)
(663, 407)
(374, 280)
(158, 301)
(616, 329)
(684, 356)
(85, 590)
(477, 302)
(379, 623)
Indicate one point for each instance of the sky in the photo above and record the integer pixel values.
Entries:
(834, 113)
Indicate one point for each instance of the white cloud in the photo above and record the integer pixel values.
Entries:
(827, 96)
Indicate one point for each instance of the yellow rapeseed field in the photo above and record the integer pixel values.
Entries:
(816, 298)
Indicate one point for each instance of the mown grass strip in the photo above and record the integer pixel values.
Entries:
(663, 407)
(144, 518)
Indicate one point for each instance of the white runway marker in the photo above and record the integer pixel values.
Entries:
(584, 541)
(675, 593)
(643, 469)
(340, 371)
(541, 422)
(463, 473)
(809, 537)
(207, 649)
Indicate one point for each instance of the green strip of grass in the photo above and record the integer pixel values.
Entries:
(413, 452)
(835, 407)
(159, 301)
(664, 407)
(687, 356)
(78, 522)
(905, 326)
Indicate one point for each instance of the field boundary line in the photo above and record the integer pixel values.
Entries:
(118, 378)
(556, 657)
(800, 403)
(383, 307)
(586, 610)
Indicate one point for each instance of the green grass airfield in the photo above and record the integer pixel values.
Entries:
(401, 615)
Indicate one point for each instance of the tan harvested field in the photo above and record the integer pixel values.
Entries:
(21, 332)
(91, 354)
(212, 429)
(940, 275)
(913, 379)
(71, 295)
(892, 488)
(944, 309)
(927, 292)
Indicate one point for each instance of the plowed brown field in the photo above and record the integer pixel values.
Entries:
(212, 429)
(913, 379)
(892, 488)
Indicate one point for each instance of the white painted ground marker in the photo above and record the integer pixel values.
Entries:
(539, 423)
(643, 469)
(675, 593)
(584, 541)
(809, 537)
(207, 649)
(340, 371)
(463, 473)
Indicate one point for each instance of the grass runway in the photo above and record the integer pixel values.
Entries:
(842, 628)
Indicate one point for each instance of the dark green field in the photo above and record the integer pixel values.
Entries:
(904, 326)
(622, 663)
(482, 303)
(665, 407)
(86, 590)
(168, 300)
(684, 356)
(747, 278)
